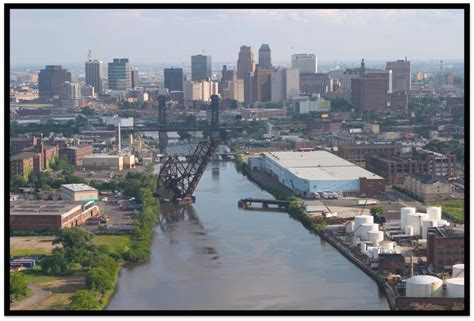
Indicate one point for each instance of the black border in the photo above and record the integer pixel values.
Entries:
(465, 6)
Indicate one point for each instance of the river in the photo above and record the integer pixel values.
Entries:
(212, 255)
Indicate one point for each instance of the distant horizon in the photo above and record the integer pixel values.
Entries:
(64, 36)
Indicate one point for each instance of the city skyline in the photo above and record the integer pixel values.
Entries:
(339, 34)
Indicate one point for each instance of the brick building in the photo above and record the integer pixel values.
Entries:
(49, 215)
(24, 163)
(428, 188)
(357, 153)
(391, 263)
(445, 247)
(19, 144)
(75, 154)
(393, 168)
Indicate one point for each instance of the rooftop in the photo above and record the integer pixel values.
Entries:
(78, 187)
(446, 232)
(24, 155)
(43, 207)
(319, 165)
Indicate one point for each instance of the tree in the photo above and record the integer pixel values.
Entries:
(340, 104)
(106, 262)
(74, 237)
(16, 182)
(83, 300)
(376, 209)
(18, 286)
(56, 264)
(99, 279)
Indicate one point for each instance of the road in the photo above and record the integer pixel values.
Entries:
(37, 295)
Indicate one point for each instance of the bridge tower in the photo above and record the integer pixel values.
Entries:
(162, 135)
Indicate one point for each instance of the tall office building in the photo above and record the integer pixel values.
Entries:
(285, 84)
(95, 76)
(228, 74)
(245, 70)
(262, 85)
(401, 74)
(120, 74)
(306, 63)
(70, 94)
(265, 57)
(201, 67)
(134, 78)
(174, 79)
(50, 80)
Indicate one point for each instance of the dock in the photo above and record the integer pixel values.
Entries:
(247, 203)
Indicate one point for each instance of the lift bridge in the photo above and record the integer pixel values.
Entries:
(180, 173)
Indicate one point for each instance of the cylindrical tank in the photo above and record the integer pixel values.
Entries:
(350, 227)
(362, 219)
(426, 224)
(434, 213)
(365, 228)
(409, 230)
(415, 221)
(458, 271)
(388, 245)
(363, 248)
(375, 237)
(442, 223)
(424, 286)
(455, 288)
(403, 215)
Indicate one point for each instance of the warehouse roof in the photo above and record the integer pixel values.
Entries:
(78, 187)
(319, 165)
(44, 207)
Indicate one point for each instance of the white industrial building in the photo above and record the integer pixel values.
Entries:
(316, 171)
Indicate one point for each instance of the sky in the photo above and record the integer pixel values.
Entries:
(49, 36)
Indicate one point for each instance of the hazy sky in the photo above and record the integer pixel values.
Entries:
(172, 36)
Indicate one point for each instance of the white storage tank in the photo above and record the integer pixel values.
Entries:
(409, 230)
(350, 227)
(426, 224)
(424, 286)
(388, 245)
(365, 228)
(362, 219)
(375, 237)
(434, 213)
(455, 288)
(403, 215)
(415, 221)
(363, 248)
(458, 271)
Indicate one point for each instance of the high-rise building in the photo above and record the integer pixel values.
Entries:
(262, 85)
(174, 79)
(201, 67)
(245, 70)
(228, 74)
(200, 90)
(401, 74)
(95, 75)
(50, 80)
(285, 84)
(264, 57)
(306, 63)
(314, 83)
(120, 74)
(134, 78)
(70, 95)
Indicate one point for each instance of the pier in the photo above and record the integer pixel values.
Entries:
(246, 203)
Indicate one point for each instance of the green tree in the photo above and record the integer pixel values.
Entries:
(18, 286)
(99, 279)
(83, 300)
(73, 237)
(56, 264)
(376, 209)
(106, 262)
(17, 182)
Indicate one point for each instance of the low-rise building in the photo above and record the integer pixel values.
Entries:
(391, 264)
(249, 113)
(103, 162)
(49, 215)
(445, 247)
(357, 153)
(79, 192)
(75, 154)
(428, 188)
(24, 163)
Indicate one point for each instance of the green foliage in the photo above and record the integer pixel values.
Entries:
(74, 237)
(106, 262)
(340, 105)
(16, 182)
(376, 209)
(62, 164)
(68, 129)
(134, 105)
(18, 286)
(56, 264)
(454, 209)
(88, 111)
(454, 146)
(99, 279)
(83, 300)
(424, 107)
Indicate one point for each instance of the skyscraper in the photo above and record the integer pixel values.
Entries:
(50, 80)
(120, 74)
(401, 74)
(70, 94)
(95, 75)
(201, 67)
(174, 79)
(262, 85)
(265, 57)
(134, 78)
(285, 84)
(306, 63)
(228, 74)
(245, 70)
